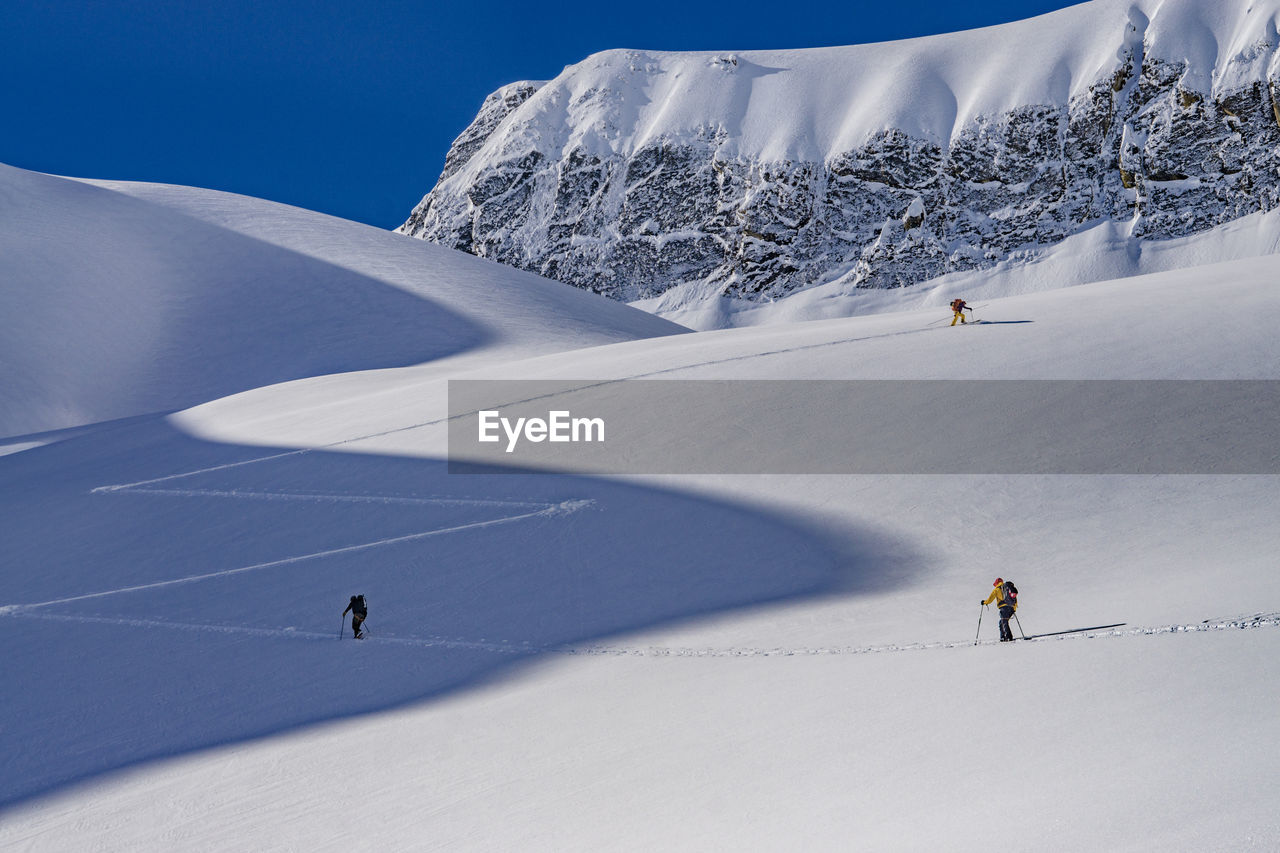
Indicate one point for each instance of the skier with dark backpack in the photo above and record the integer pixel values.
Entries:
(359, 612)
(958, 307)
(1005, 596)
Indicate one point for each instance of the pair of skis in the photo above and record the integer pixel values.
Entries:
(1046, 633)
(972, 321)
(1071, 631)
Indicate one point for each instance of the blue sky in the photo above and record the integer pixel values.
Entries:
(348, 106)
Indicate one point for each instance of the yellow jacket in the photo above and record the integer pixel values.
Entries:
(997, 595)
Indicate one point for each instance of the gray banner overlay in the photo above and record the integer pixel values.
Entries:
(865, 426)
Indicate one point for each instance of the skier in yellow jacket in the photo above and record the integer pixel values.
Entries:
(1005, 596)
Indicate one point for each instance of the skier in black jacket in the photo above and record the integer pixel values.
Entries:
(358, 613)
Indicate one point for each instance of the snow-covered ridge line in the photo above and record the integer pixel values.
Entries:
(814, 104)
(164, 297)
(753, 175)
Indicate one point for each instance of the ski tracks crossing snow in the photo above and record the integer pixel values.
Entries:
(524, 510)
(531, 511)
(1263, 620)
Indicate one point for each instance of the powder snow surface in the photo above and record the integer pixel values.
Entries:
(586, 663)
(124, 299)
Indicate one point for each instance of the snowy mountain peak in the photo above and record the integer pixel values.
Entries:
(756, 174)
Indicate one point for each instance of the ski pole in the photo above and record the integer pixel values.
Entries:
(975, 636)
(1019, 621)
(342, 624)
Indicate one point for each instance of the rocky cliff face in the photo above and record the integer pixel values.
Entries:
(691, 210)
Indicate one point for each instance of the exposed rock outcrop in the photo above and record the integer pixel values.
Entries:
(1139, 145)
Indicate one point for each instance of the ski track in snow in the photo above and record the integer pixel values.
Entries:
(650, 374)
(122, 487)
(533, 510)
(1262, 620)
(152, 487)
(323, 497)
(148, 487)
(143, 485)
(1268, 620)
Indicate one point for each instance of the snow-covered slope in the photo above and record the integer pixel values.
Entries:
(676, 662)
(756, 174)
(119, 300)
(1102, 253)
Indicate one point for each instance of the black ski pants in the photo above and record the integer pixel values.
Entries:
(1006, 633)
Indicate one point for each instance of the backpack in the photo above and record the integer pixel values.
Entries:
(1009, 593)
(957, 304)
(357, 605)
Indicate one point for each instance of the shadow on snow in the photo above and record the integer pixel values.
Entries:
(203, 610)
